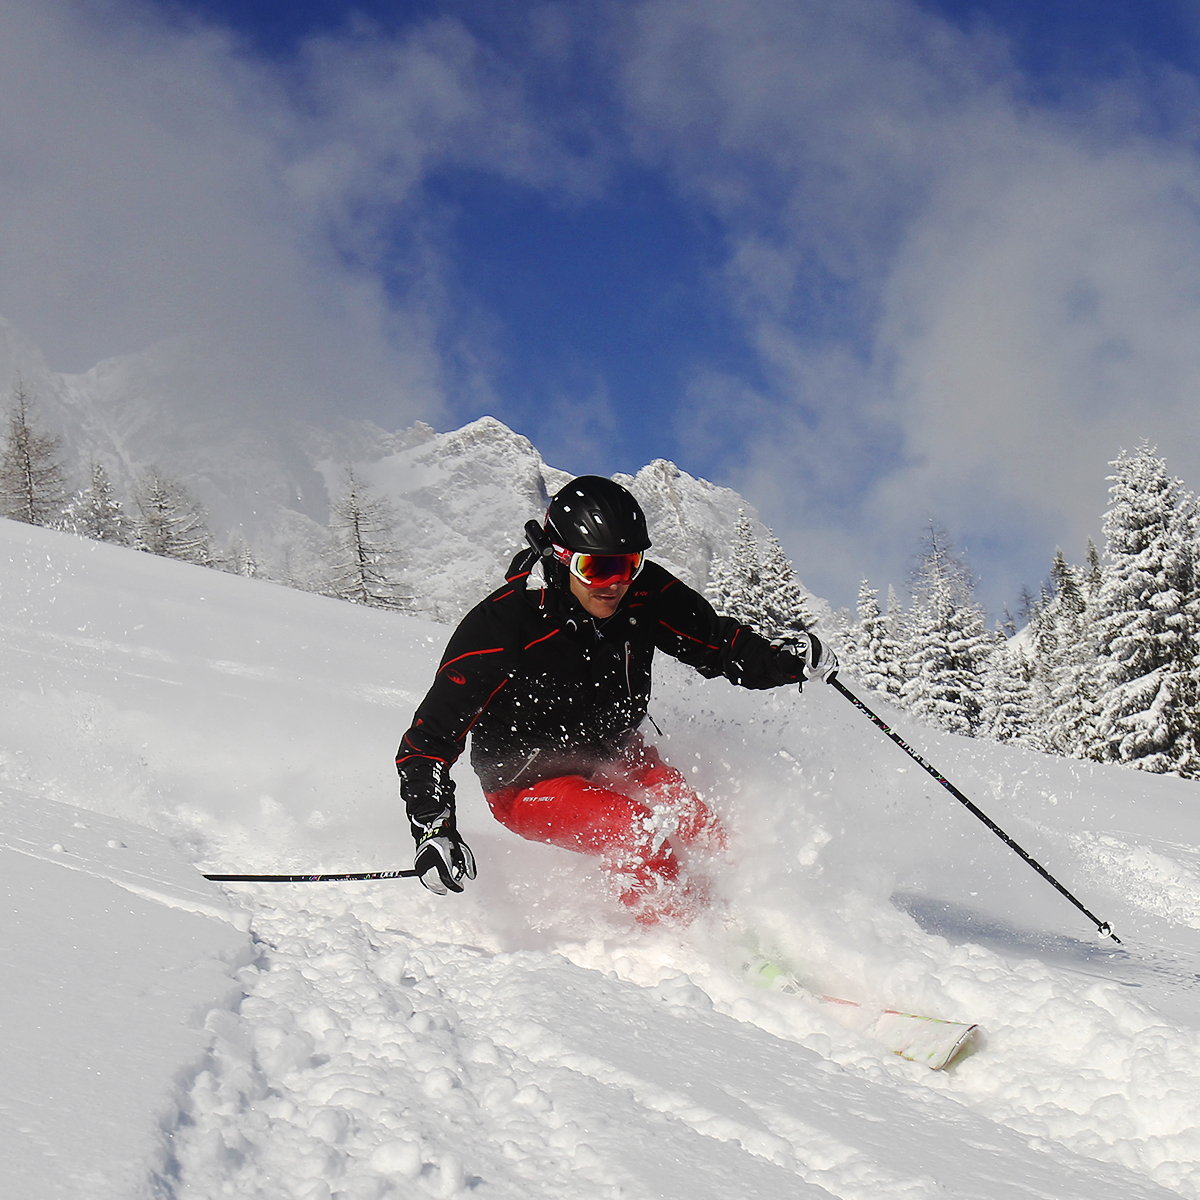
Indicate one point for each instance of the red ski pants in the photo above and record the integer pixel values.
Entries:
(634, 815)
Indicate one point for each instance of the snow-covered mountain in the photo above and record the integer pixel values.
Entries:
(462, 497)
(168, 1038)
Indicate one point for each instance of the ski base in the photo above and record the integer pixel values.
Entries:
(931, 1041)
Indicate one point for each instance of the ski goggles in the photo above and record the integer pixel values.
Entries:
(601, 570)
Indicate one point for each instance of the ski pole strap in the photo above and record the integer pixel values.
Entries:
(345, 875)
(1102, 927)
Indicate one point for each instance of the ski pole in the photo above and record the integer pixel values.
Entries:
(312, 878)
(1102, 927)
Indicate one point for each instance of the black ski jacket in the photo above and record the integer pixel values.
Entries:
(544, 689)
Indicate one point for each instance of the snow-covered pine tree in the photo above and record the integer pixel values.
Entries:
(1007, 710)
(33, 479)
(735, 586)
(1066, 667)
(1093, 575)
(239, 559)
(787, 609)
(171, 522)
(1026, 606)
(1040, 637)
(893, 645)
(719, 588)
(948, 640)
(868, 660)
(1147, 634)
(364, 559)
(759, 587)
(843, 633)
(1006, 627)
(95, 512)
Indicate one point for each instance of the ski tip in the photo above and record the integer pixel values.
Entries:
(971, 1040)
(931, 1041)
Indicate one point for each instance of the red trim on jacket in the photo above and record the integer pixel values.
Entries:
(689, 637)
(431, 757)
(470, 654)
(462, 737)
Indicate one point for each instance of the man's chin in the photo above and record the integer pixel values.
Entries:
(607, 603)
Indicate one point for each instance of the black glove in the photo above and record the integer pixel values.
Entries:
(817, 657)
(443, 860)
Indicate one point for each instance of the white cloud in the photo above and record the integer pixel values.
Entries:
(961, 306)
(1044, 315)
(155, 181)
(958, 305)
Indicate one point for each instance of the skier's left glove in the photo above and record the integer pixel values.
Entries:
(443, 860)
(818, 658)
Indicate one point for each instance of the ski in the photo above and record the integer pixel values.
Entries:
(935, 1043)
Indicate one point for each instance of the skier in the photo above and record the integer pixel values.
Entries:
(551, 677)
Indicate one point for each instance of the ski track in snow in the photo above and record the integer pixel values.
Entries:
(525, 1039)
(367, 1062)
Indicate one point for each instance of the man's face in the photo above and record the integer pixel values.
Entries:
(598, 602)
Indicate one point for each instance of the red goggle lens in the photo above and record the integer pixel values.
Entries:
(601, 570)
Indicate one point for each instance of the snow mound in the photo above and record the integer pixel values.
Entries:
(130, 856)
(114, 950)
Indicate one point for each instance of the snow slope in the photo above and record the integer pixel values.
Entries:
(525, 1039)
(111, 944)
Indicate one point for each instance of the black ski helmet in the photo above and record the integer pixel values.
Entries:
(596, 516)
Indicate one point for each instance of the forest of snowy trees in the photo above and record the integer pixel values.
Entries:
(360, 560)
(35, 487)
(1105, 666)
(758, 585)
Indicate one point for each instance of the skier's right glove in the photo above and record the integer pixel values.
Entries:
(443, 860)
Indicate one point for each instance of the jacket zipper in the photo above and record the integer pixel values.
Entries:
(524, 767)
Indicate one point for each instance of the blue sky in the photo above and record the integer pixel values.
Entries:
(871, 262)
